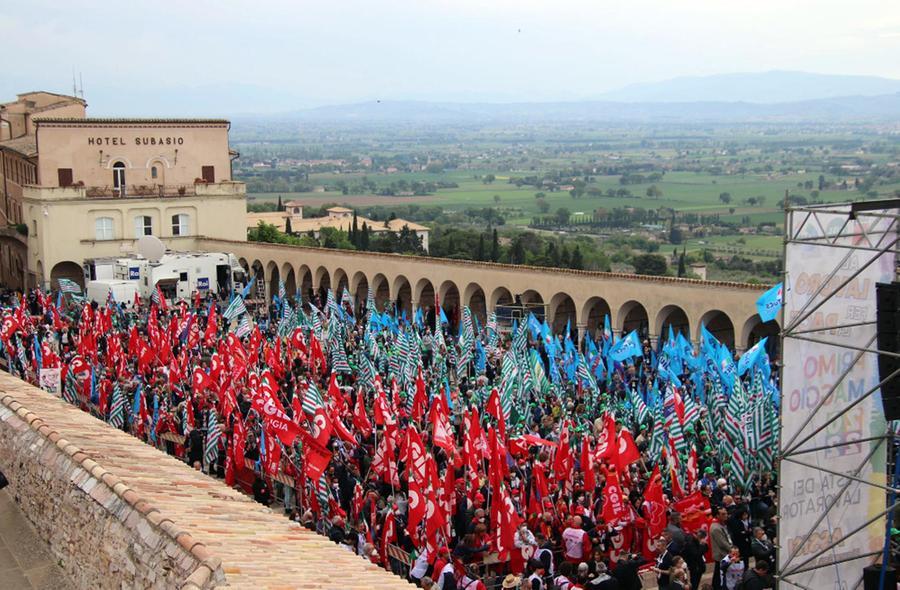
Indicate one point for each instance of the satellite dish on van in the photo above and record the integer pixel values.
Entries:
(150, 248)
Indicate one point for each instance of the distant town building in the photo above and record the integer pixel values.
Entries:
(340, 218)
(85, 187)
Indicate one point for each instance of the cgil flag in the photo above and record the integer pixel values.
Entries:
(769, 304)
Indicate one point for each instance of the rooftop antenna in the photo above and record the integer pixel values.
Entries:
(81, 85)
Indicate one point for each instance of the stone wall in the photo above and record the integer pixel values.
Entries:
(103, 534)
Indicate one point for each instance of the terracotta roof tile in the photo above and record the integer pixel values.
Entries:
(257, 547)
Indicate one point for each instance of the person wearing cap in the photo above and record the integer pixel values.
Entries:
(709, 477)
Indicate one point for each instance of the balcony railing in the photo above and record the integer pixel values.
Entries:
(140, 190)
(137, 191)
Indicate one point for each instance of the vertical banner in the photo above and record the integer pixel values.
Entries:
(819, 507)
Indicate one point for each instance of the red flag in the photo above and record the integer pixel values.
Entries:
(655, 504)
(277, 420)
(587, 465)
(388, 535)
(360, 419)
(692, 468)
(677, 491)
(562, 462)
(200, 381)
(614, 508)
(315, 456)
(415, 461)
(493, 408)
(694, 510)
(627, 451)
(212, 326)
(442, 435)
(420, 401)
(606, 442)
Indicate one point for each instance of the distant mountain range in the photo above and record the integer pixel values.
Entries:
(879, 108)
(762, 87)
(766, 96)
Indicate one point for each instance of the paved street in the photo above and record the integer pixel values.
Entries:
(25, 560)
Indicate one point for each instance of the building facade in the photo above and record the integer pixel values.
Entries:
(93, 187)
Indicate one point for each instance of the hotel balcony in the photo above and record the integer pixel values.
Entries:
(156, 191)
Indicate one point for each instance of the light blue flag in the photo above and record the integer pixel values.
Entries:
(751, 357)
(769, 304)
(443, 316)
(136, 407)
(249, 286)
(726, 368)
(627, 347)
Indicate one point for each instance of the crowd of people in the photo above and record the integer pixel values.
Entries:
(462, 452)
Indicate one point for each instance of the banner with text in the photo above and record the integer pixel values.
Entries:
(819, 509)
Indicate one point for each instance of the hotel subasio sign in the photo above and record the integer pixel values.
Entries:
(146, 140)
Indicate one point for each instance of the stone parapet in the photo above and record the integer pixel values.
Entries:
(118, 513)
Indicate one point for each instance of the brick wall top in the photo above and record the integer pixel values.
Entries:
(256, 547)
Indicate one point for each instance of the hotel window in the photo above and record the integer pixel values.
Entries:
(143, 226)
(154, 173)
(180, 224)
(208, 173)
(119, 178)
(103, 228)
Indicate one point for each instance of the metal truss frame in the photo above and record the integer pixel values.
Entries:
(875, 234)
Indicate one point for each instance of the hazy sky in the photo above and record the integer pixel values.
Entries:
(322, 51)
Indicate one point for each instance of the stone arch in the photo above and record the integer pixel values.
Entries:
(500, 302)
(500, 296)
(593, 312)
(305, 282)
(533, 302)
(244, 264)
(719, 325)
(633, 316)
(290, 279)
(424, 294)
(450, 300)
(340, 282)
(671, 315)
(755, 329)
(66, 270)
(382, 291)
(562, 312)
(322, 279)
(274, 276)
(403, 296)
(359, 287)
(474, 298)
(39, 274)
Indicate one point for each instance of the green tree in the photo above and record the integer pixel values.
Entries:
(280, 206)
(495, 247)
(821, 182)
(364, 237)
(287, 226)
(354, 231)
(654, 192)
(682, 268)
(497, 199)
(725, 198)
(577, 262)
(562, 216)
(479, 253)
(489, 179)
(517, 251)
(675, 235)
(649, 264)
(543, 205)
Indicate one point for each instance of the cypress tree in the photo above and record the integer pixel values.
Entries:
(577, 262)
(495, 247)
(479, 254)
(364, 237)
(287, 226)
(280, 207)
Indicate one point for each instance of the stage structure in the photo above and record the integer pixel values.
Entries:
(835, 444)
